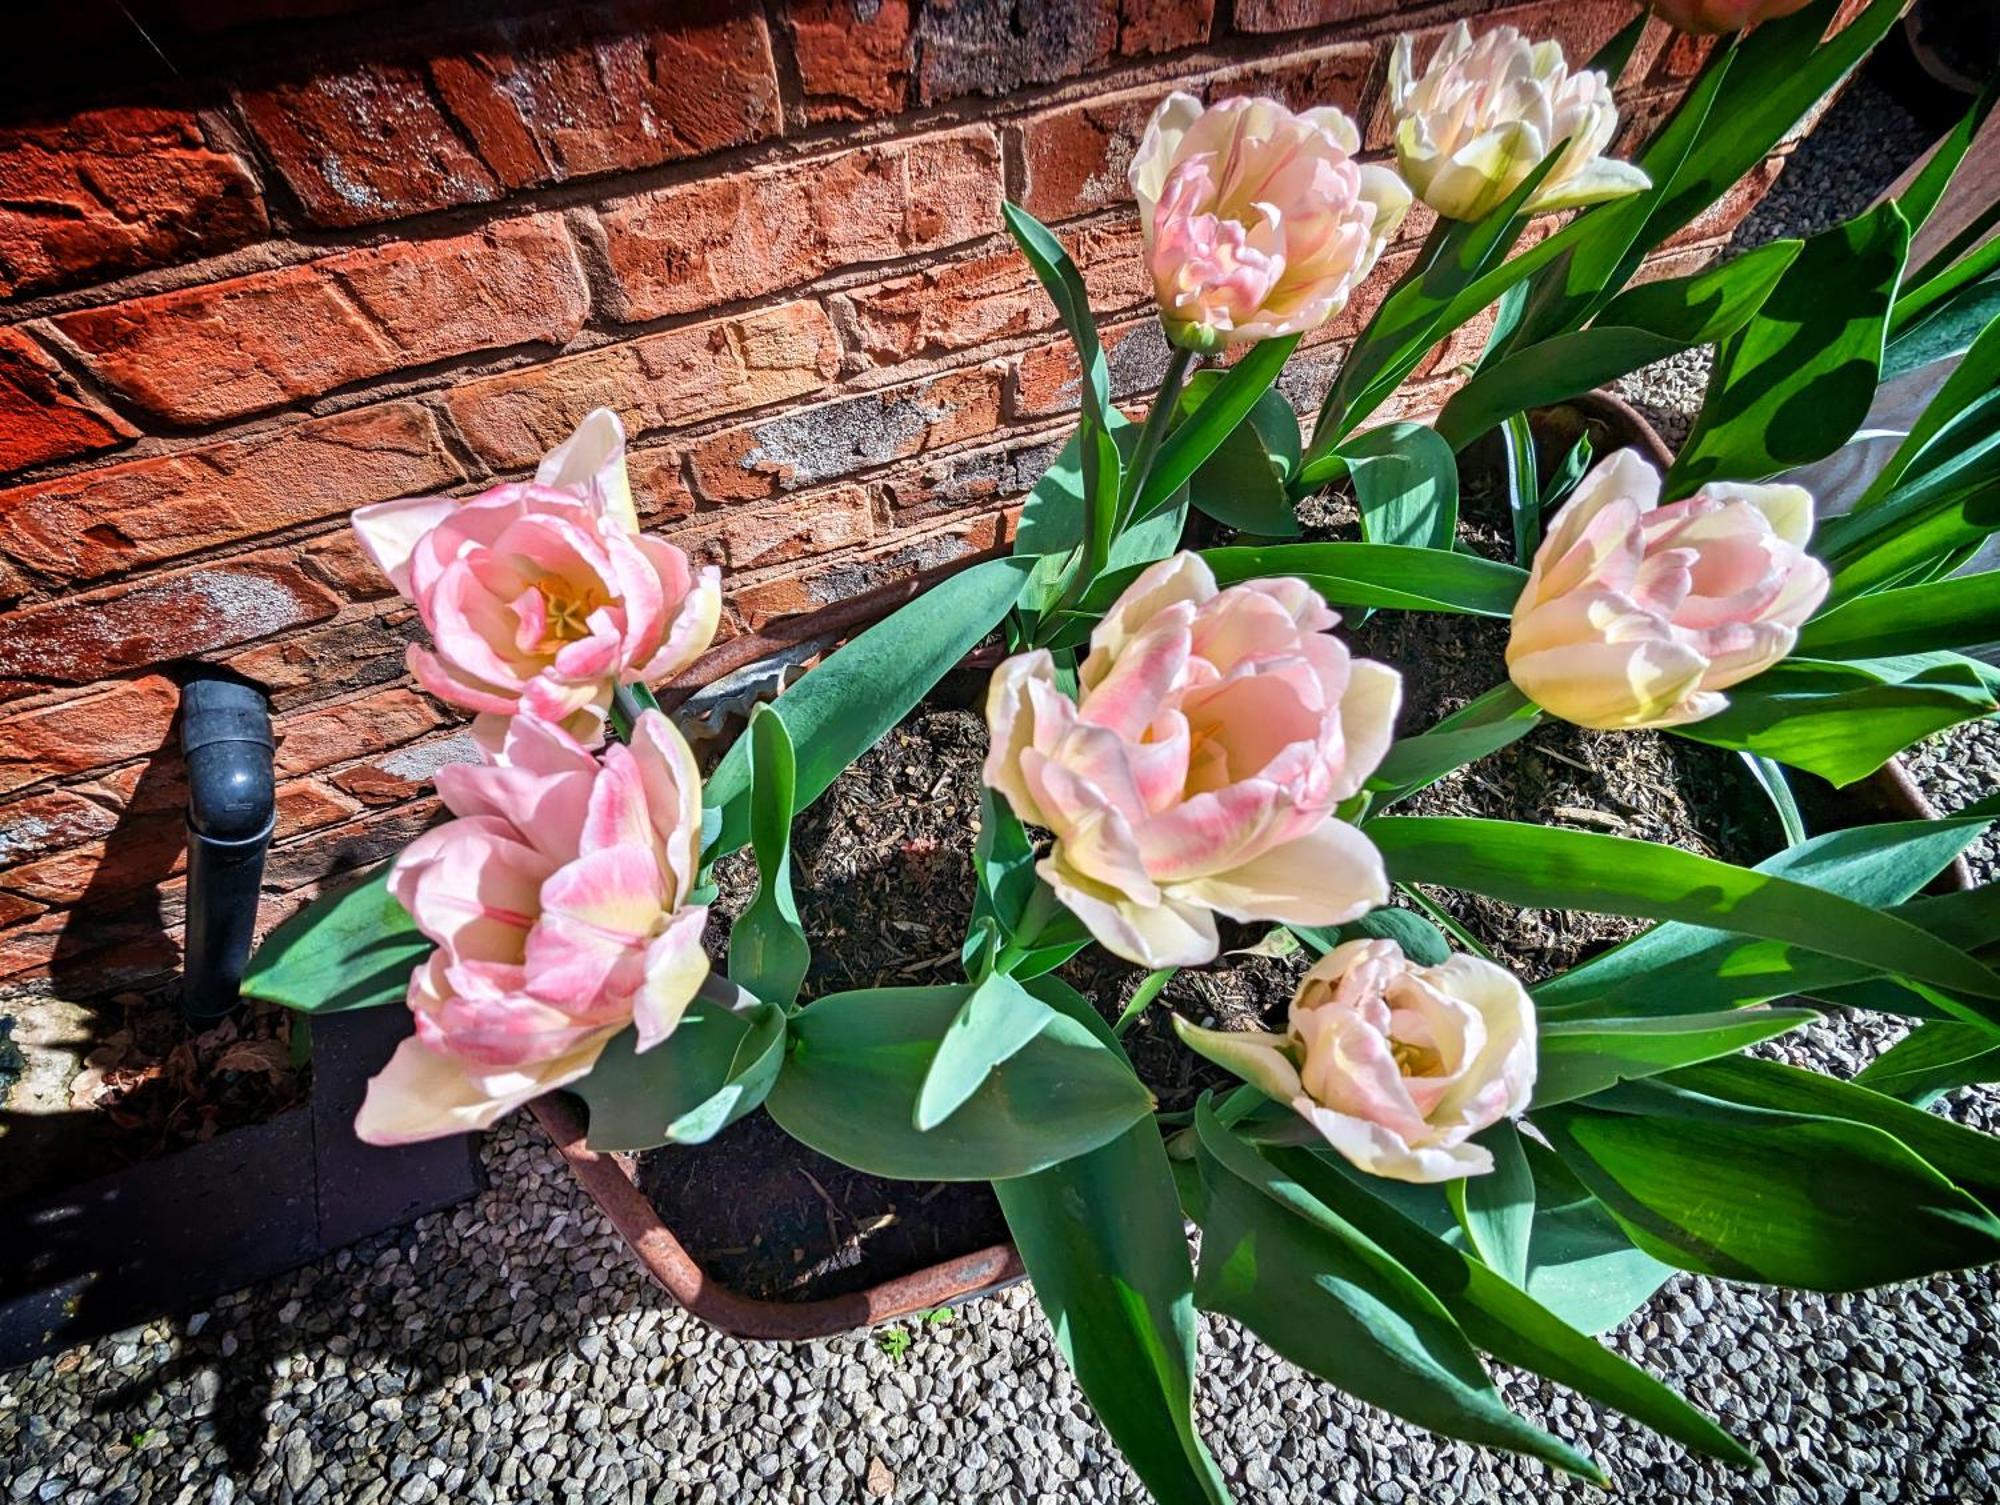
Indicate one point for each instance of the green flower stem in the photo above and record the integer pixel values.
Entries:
(1042, 907)
(1148, 989)
(1154, 434)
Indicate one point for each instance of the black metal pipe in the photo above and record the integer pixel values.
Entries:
(231, 812)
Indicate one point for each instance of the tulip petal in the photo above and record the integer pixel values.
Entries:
(598, 915)
(591, 463)
(674, 969)
(1380, 1152)
(422, 1094)
(1167, 934)
(1254, 1055)
(1329, 876)
(389, 532)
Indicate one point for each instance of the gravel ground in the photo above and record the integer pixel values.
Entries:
(509, 1350)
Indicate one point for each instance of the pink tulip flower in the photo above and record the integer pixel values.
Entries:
(1637, 615)
(1716, 17)
(1257, 222)
(558, 900)
(1397, 1066)
(1199, 769)
(543, 596)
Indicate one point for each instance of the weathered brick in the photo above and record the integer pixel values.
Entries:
(138, 855)
(659, 488)
(1047, 380)
(853, 56)
(40, 418)
(305, 667)
(338, 560)
(366, 143)
(674, 377)
(159, 618)
(741, 235)
(1293, 15)
(115, 190)
(920, 555)
(105, 725)
(807, 446)
(14, 908)
(350, 845)
(963, 305)
(993, 47)
(971, 478)
(49, 822)
(89, 524)
(1148, 26)
(1074, 157)
(210, 353)
(405, 772)
(548, 107)
(1338, 75)
(800, 528)
(318, 738)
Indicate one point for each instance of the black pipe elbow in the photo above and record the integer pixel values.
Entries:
(231, 812)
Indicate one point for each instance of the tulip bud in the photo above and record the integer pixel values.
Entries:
(1214, 734)
(1715, 17)
(1257, 222)
(1397, 1066)
(1484, 114)
(541, 597)
(1636, 615)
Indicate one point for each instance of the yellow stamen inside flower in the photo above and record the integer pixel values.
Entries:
(568, 611)
(1415, 1060)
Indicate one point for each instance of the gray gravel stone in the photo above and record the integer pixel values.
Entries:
(509, 1350)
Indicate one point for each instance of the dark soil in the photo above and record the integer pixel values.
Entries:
(883, 875)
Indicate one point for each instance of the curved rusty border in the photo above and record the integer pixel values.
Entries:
(610, 1181)
(609, 1178)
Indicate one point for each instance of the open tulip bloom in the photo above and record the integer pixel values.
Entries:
(1395, 1166)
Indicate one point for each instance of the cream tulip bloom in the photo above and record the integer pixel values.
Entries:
(1198, 771)
(1484, 114)
(1637, 615)
(1257, 222)
(1396, 1065)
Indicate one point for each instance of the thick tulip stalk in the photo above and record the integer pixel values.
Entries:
(542, 597)
(1198, 771)
(1396, 1065)
(1483, 115)
(558, 900)
(1257, 222)
(1638, 615)
(1717, 17)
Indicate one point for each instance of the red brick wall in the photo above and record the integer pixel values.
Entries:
(354, 251)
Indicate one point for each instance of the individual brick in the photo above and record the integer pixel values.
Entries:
(307, 667)
(324, 735)
(40, 418)
(924, 555)
(159, 618)
(105, 725)
(720, 239)
(675, 377)
(1149, 26)
(1338, 75)
(808, 446)
(204, 354)
(43, 823)
(800, 528)
(1047, 380)
(994, 47)
(365, 143)
(970, 478)
(82, 526)
(112, 191)
(405, 772)
(1294, 15)
(853, 56)
(550, 106)
(1074, 157)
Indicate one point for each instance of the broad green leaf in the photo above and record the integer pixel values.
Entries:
(1497, 1316)
(1553, 868)
(1104, 1243)
(839, 710)
(353, 949)
(1242, 484)
(1843, 721)
(768, 953)
(1330, 1299)
(1934, 292)
(1501, 716)
(1380, 574)
(850, 1084)
(1003, 862)
(1936, 1057)
(1971, 1159)
(1581, 1264)
(1422, 942)
(1794, 382)
(1224, 407)
(1955, 404)
(1947, 330)
(1052, 517)
(1497, 1210)
(997, 1020)
(1641, 325)
(1578, 1057)
(1962, 612)
(716, 1066)
(1743, 1193)
(1405, 485)
(1675, 968)
(1064, 284)
(1950, 507)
